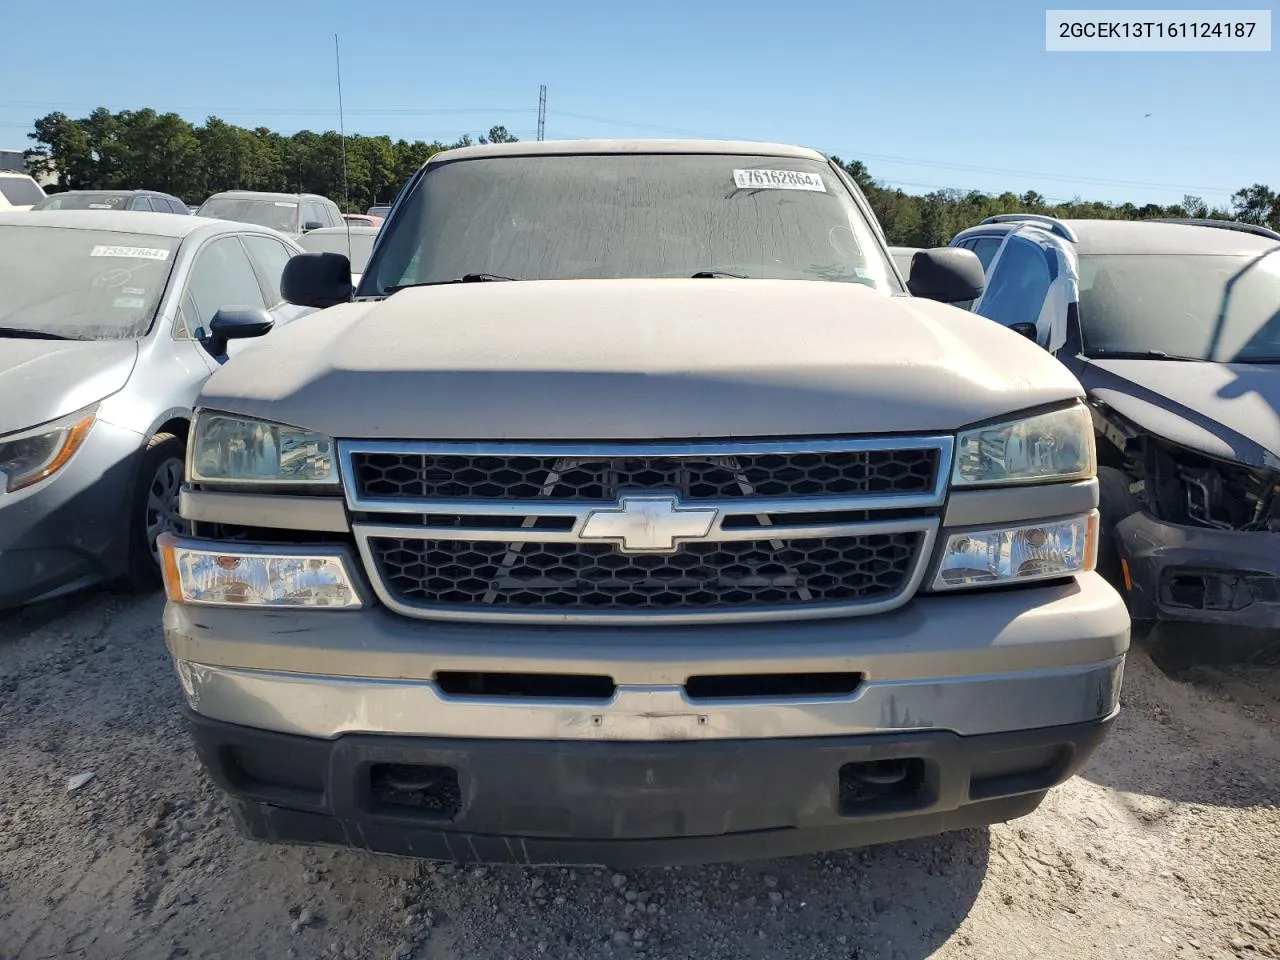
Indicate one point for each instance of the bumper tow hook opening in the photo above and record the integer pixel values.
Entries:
(430, 791)
(875, 783)
(880, 773)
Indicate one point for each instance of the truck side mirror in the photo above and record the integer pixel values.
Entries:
(236, 323)
(316, 280)
(1028, 330)
(946, 274)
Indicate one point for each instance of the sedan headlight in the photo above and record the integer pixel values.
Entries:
(1054, 446)
(224, 574)
(29, 457)
(1041, 551)
(230, 449)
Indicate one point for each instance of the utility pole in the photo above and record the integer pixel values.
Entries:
(542, 112)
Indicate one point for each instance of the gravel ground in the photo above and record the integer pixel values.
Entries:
(1167, 846)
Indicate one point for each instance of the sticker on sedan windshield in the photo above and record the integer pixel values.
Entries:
(137, 253)
(778, 180)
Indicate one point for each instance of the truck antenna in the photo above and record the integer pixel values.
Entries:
(342, 132)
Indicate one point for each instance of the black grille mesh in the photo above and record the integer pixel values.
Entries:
(451, 476)
(594, 577)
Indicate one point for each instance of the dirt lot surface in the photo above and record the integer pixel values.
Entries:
(1167, 846)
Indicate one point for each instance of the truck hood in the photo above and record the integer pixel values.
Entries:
(638, 359)
(42, 380)
(1225, 410)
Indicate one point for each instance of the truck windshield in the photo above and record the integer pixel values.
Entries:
(628, 216)
(1195, 306)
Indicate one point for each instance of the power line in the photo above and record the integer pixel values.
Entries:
(943, 164)
(541, 113)
(1097, 181)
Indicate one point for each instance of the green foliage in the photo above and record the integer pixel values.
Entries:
(115, 151)
(142, 148)
(932, 219)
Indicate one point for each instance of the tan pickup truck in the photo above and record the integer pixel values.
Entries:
(637, 509)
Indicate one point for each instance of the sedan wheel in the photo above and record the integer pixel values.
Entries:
(162, 504)
(154, 507)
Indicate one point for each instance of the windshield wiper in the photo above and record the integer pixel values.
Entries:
(465, 278)
(1141, 355)
(21, 332)
(714, 274)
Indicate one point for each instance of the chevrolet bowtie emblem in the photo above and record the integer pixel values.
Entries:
(648, 523)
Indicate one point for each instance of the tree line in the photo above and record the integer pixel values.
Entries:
(163, 151)
(932, 219)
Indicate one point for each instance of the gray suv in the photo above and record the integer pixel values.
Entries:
(634, 510)
(292, 214)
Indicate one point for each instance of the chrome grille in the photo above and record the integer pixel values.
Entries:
(707, 477)
(594, 577)
(546, 532)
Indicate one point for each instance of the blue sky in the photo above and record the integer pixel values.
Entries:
(928, 94)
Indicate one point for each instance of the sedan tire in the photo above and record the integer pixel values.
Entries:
(154, 509)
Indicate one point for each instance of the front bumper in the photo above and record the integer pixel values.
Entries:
(70, 530)
(970, 664)
(980, 701)
(630, 804)
(1196, 575)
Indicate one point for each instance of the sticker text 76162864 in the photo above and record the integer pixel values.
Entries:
(778, 180)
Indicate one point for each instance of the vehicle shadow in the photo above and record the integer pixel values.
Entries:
(19, 622)
(1184, 740)
(899, 901)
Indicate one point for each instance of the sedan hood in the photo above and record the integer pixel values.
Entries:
(638, 359)
(42, 380)
(1226, 410)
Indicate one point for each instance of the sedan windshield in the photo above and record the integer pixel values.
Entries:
(81, 284)
(83, 201)
(279, 215)
(1201, 307)
(628, 215)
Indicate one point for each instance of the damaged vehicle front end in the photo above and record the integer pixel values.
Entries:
(1180, 356)
(1173, 329)
(1194, 539)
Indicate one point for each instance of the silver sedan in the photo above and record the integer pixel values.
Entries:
(109, 324)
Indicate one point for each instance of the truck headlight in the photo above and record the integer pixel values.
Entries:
(30, 456)
(224, 574)
(1054, 446)
(1040, 551)
(228, 449)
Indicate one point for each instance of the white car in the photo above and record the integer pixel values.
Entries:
(353, 242)
(18, 191)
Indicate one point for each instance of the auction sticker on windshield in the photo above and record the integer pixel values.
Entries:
(137, 253)
(778, 180)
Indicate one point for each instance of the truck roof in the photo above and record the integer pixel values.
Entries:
(536, 148)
